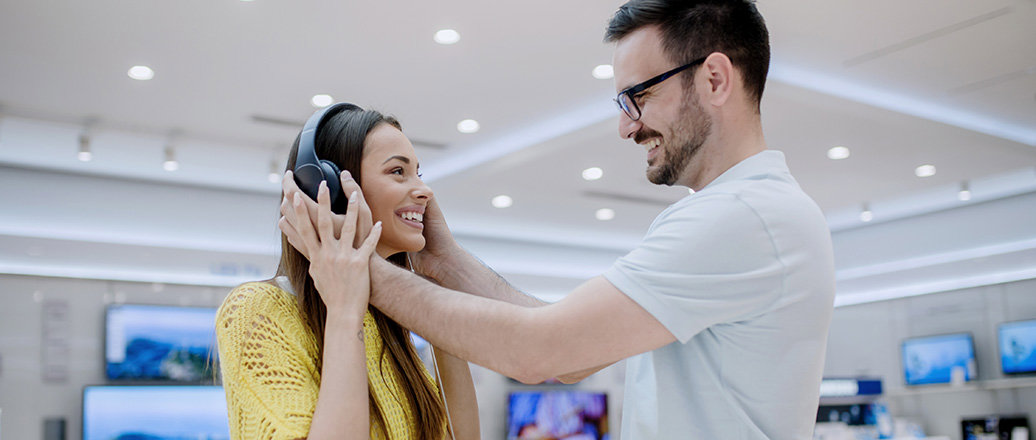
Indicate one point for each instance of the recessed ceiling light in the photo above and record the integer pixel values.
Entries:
(321, 101)
(838, 153)
(502, 201)
(141, 73)
(925, 171)
(593, 173)
(603, 71)
(467, 126)
(446, 36)
(605, 214)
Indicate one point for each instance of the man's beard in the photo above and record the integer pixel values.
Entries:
(688, 137)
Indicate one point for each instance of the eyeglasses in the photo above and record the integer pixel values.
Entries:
(625, 99)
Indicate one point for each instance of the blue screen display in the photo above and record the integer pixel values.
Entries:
(155, 412)
(558, 414)
(144, 342)
(1018, 347)
(933, 359)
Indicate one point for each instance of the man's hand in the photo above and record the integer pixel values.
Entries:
(291, 221)
(439, 248)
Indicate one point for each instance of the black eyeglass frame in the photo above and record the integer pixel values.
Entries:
(630, 92)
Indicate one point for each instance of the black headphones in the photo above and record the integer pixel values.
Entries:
(310, 170)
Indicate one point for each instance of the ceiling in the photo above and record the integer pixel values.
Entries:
(950, 83)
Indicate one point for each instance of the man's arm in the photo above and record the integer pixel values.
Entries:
(595, 325)
(446, 262)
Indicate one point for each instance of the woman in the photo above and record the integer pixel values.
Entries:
(320, 362)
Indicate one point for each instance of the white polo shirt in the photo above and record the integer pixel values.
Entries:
(742, 274)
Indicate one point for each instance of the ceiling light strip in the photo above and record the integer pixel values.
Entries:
(125, 238)
(936, 199)
(919, 289)
(834, 86)
(941, 32)
(472, 155)
(104, 274)
(934, 260)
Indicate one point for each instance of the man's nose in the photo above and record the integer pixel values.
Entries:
(628, 127)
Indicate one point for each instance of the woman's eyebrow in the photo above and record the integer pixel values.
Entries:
(402, 158)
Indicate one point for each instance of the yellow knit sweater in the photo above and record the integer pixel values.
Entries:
(268, 360)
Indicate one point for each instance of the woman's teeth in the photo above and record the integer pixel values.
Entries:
(413, 216)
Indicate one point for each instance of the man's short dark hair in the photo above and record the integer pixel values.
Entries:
(695, 28)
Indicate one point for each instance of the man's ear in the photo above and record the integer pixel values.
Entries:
(719, 76)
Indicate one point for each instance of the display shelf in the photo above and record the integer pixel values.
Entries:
(979, 385)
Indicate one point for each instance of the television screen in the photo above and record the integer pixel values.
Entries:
(155, 412)
(557, 414)
(936, 359)
(1018, 347)
(160, 343)
(852, 415)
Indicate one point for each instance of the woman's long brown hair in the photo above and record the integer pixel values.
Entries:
(341, 140)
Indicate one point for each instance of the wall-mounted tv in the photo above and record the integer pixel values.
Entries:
(160, 343)
(937, 359)
(557, 414)
(154, 412)
(1018, 347)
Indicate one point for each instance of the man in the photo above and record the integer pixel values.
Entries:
(722, 310)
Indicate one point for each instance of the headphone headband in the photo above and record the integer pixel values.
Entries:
(310, 170)
(308, 139)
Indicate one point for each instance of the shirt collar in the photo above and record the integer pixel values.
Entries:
(766, 162)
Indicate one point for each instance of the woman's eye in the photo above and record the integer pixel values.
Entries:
(397, 171)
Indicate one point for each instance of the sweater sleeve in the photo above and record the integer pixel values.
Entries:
(268, 362)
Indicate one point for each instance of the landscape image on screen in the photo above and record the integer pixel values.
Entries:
(571, 415)
(932, 360)
(155, 413)
(160, 343)
(1018, 347)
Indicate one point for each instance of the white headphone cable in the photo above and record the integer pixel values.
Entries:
(438, 377)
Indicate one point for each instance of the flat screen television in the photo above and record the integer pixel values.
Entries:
(935, 359)
(557, 414)
(160, 343)
(1017, 342)
(155, 412)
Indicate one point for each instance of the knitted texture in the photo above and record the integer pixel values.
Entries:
(268, 360)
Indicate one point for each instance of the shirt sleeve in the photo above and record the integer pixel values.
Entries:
(704, 262)
(268, 365)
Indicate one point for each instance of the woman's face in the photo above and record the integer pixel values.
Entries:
(393, 190)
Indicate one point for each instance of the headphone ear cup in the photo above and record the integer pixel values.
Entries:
(333, 176)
